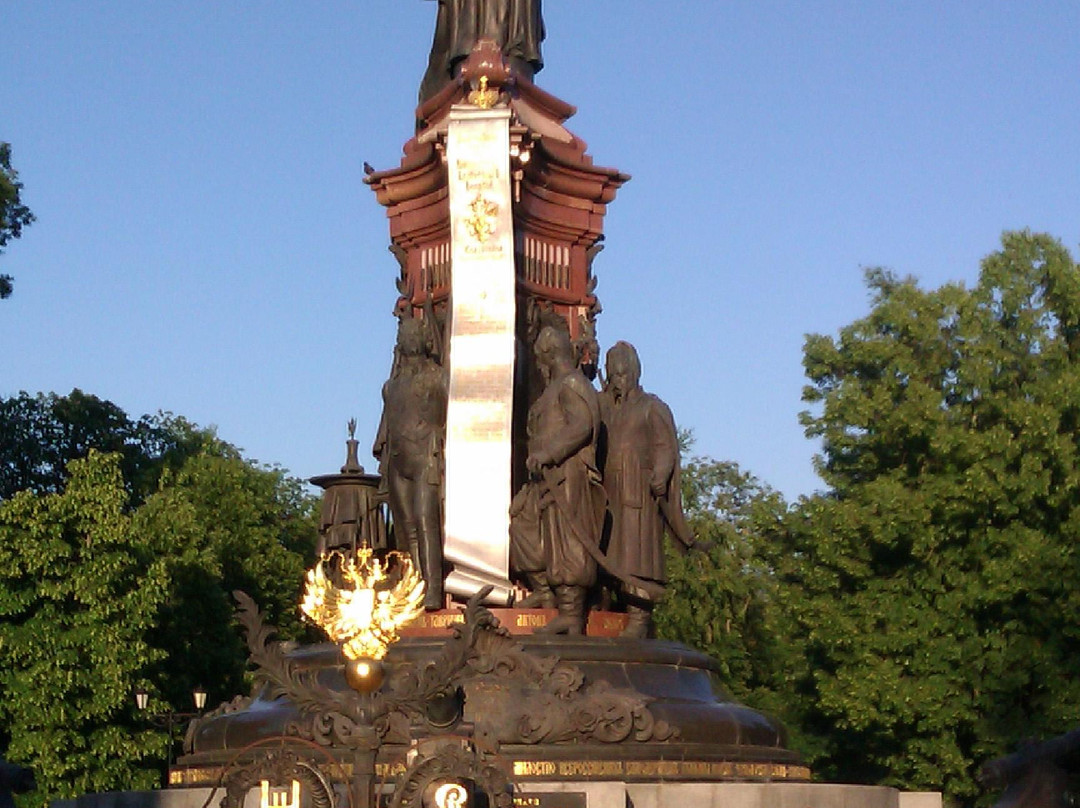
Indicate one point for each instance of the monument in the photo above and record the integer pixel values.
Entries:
(514, 487)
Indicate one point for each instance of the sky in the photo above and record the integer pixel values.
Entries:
(205, 245)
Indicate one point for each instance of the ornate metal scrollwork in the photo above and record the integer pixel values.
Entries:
(278, 766)
(546, 701)
(552, 702)
(329, 717)
(449, 762)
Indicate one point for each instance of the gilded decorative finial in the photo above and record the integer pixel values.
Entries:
(483, 97)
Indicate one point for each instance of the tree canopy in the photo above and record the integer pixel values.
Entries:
(78, 594)
(14, 215)
(41, 434)
(720, 601)
(121, 541)
(922, 615)
(935, 589)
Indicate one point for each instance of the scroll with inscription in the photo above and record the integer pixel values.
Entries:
(478, 420)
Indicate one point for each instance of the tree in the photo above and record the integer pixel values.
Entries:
(171, 500)
(722, 602)
(14, 215)
(934, 591)
(40, 435)
(78, 592)
(222, 523)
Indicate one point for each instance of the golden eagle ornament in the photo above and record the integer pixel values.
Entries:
(374, 600)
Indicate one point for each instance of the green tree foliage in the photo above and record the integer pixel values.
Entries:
(179, 519)
(40, 434)
(934, 592)
(79, 590)
(221, 523)
(721, 601)
(14, 215)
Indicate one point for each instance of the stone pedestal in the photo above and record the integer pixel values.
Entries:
(617, 794)
(605, 794)
(759, 795)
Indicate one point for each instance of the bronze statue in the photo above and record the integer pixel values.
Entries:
(640, 461)
(409, 447)
(515, 26)
(557, 516)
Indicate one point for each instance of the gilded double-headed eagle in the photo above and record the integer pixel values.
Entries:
(365, 613)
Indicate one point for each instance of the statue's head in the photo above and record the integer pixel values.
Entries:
(552, 347)
(412, 338)
(623, 369)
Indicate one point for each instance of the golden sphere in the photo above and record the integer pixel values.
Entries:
(364, 675)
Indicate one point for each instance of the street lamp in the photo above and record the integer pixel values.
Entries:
(166, 720)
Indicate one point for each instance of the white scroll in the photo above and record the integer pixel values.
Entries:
(478, 418)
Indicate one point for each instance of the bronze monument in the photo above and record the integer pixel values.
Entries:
(516, 27)
(409, 448)
(476, 700)
(557, 515)
(640, 462)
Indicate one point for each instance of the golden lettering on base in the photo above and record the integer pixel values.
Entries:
(531, 620)
(533, 768)
(279, 797)
(706, 769)
(389, 770)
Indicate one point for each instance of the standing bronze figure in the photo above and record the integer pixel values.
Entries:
(641, 476)
(515, 26)
(557, 516)
(409, 447)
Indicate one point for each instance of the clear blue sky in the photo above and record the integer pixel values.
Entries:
(205, 243)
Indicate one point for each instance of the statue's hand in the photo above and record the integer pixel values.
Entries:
(533, 464)
(658, 487)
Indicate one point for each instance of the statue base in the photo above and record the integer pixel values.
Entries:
(611, 794)
(558, 708)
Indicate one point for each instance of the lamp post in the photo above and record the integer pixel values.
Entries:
(167, 720)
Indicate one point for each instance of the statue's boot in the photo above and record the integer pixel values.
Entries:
(541, 596)
(638, 624)
(433, 594)
(431, 567)
(571, 605)
(414, 550)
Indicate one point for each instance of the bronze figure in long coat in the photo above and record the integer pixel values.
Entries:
(561, 508)
(640, 462)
